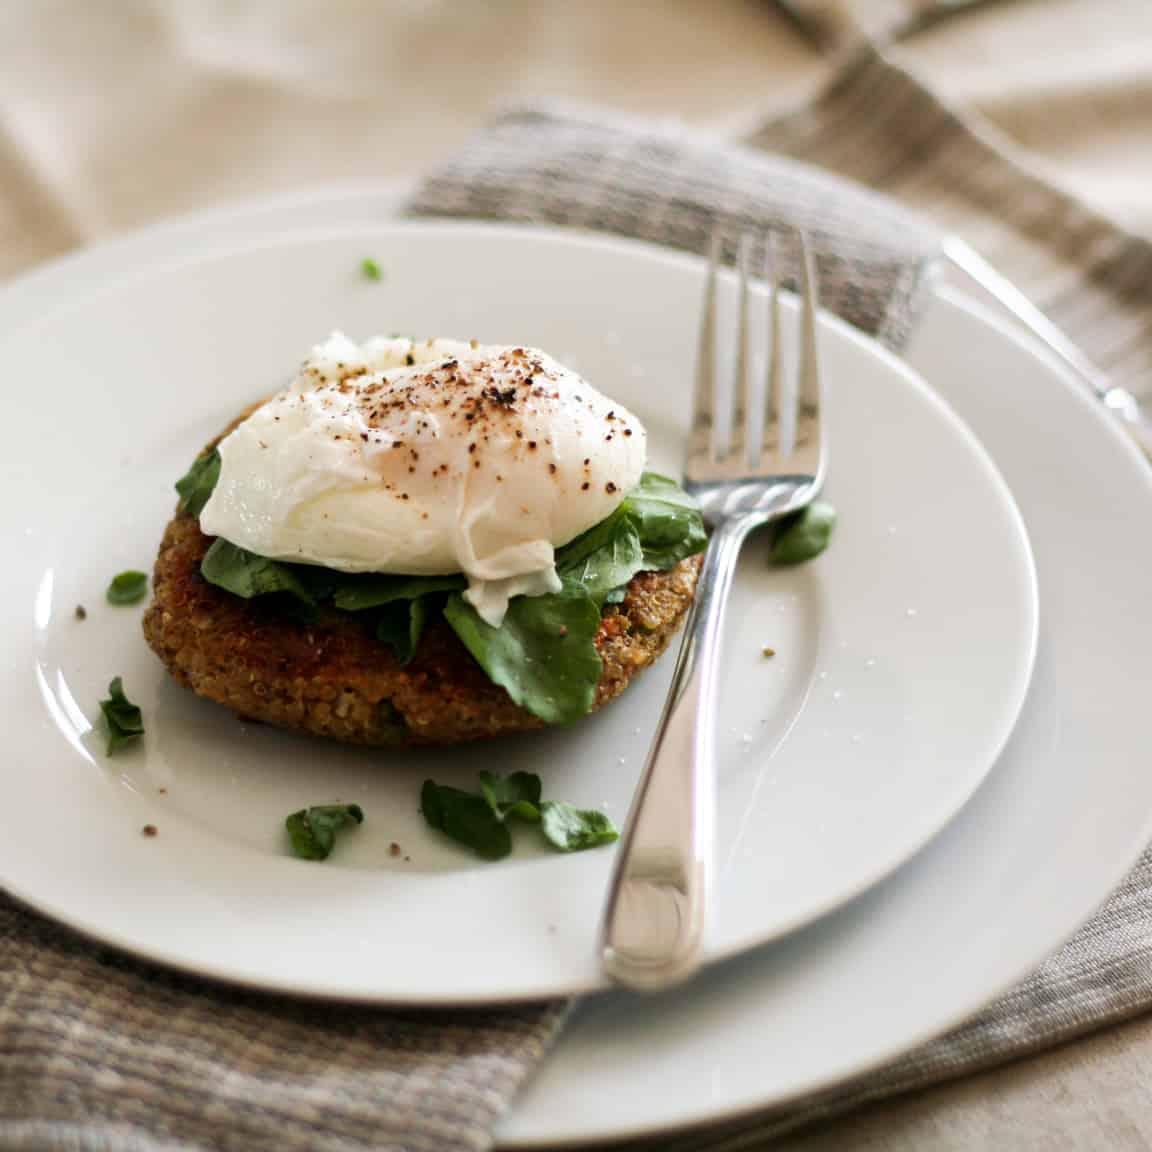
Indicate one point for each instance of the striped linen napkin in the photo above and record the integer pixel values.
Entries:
(840, 21)
(101, 1052)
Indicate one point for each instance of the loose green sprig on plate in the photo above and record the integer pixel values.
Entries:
(480, 820)
(122, 718)
(312, 831)
(804, 535)
(127, 587)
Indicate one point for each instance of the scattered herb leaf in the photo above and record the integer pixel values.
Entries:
(804, 535)
(122, 718)
(81, 612)
(196, 485)
(312, 831)
(517, 794)
(466, 818)
(370, 270)
(127, 587)
(575, 829)
(480, 822)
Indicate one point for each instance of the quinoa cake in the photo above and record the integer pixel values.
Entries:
(423, 543)
(332, 677)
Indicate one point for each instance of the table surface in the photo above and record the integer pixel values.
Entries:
(116, 114)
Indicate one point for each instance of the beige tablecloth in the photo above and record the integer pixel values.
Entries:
(119, 112)
(116, 113)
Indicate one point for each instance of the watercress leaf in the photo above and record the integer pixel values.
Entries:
(574, 829)
(466, 818)
(196, 485)
(320, 582)
(355, 592)
(400, 626)
(667, 520)
(543, 654)
(127, 587)
(804, 535)
(432, 804)
(122, 718)
(245, 574)
(657, 525)
(576, 551)
(517, 794)
(617, 559)
(312, 831)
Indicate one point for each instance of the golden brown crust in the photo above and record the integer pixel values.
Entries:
(333, 677)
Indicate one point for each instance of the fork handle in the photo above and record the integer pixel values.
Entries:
(656, 913)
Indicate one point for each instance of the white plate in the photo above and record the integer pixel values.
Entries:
(1052, 831)
(902, 665)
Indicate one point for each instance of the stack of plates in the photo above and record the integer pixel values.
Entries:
(935, 780)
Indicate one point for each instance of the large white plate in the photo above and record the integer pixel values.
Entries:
(1051, 832)
(902, 661)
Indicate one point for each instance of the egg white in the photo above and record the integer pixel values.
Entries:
(425, 459)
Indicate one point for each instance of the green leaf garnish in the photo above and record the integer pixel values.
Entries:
(517, 794)
(574, 829)
(196, 485)
(667, 520)
(467, 818)
(122, 718)
(401, 626)
(127, 587)
(656, 527)
(804, 535)
(370, 270)
(355, 593)
(312, 831)
(543, 654)
(480, 822)
(245, 574)
(605, 558)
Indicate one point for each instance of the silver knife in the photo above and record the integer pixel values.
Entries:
(1135, 421)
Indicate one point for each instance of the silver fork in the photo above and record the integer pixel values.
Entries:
(654, 921)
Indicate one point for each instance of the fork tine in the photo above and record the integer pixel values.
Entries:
(742, 405)
(773, 396)
(704, 410)
(809, 384)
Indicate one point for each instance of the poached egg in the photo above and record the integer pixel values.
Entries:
(427, 458)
